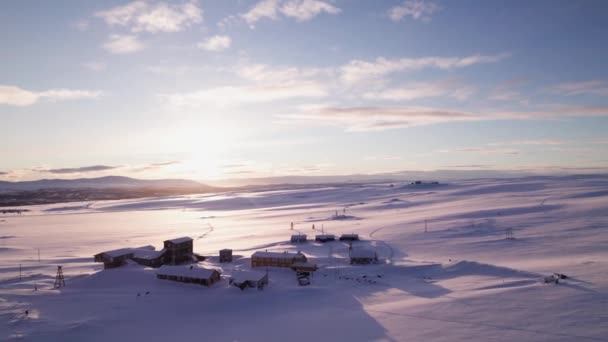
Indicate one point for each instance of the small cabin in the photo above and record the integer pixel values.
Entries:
(178, 250)
(148, 257)
(226, 255)
(245, 279)
(276, 259)
(363, 256)
(325, 237)
(189, 274)
(349, 237)
(298, 238)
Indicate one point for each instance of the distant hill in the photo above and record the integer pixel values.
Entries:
(109, 182)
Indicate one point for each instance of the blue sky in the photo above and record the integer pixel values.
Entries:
(231, 89)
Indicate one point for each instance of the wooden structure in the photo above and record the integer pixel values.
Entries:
(325, 237)
(363, 256)
(59, 279)
(178, 250)
(226, 255)
(243, 280)
(298, 238)
(304, 267)
(349, 237)
(276, 259)
(146, 255)
(189, 274)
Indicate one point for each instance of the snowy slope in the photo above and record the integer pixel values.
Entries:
(461, 280)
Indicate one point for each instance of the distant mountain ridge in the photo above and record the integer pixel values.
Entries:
(108, 182)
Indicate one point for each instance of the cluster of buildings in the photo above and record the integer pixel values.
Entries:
(176, 252)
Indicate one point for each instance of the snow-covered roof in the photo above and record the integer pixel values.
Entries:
(242, 276)
(276, 255)
(191, 271)
(148, 254)
(350, 235)
(363, 254)
(180, 240)
(124, 251)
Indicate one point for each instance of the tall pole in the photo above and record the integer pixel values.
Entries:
(19, 271)
(425, 227)
(38, 255)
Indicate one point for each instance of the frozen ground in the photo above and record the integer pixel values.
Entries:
(459, 281)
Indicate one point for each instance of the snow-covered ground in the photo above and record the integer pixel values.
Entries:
(461, 280)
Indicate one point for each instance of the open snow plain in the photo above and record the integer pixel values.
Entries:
(462, 280)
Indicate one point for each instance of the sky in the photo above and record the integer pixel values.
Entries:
(218, 89)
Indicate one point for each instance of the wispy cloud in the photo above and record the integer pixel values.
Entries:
(481, 150)
(360, 70)
(471, 166)
(594, 87)
(416, 9)
(15, 96)
(123, 44)
(155, 166)
(382, 118)
(300, 10)
(528, 142)
(216, 43)
(443, 88)
(148, 16)
(82, 169)
(376, 118)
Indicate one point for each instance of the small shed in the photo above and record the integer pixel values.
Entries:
(226, 255)
(244, 279)
(349, 237)
(298, 238)
(363, 256)
(325, 237)
(189, 274)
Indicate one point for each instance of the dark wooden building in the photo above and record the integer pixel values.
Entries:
(245, 279)
(349, 237)
(363, 256)
(189, 274)
(298, 238)
(119, 257)
(276, 259)
(226, 255)
(325, 237)
(178, 251)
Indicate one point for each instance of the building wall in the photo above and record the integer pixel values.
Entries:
(275, 262)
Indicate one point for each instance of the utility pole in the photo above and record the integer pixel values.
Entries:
(425, 227)
(38, 255)
(19, 271)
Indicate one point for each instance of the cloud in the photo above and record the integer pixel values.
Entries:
(155, 166)
(82, 169)
(528, 142)
(15, 96)
(95, 66)
(216, 43)
(358, 70)
(356, 119)
(508, 91)
(377, 118)
(123, 44)
(300, 10)
(304, 10)
(143, 16)
(417, 9)
(481, 150)
(418, 90)
(472, 166)
(2, 173)
(594, 87)
(263, 84)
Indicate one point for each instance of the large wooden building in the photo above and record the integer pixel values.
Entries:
(276, 259)
(244, 279)
(119, 257)
(178, 251)
(189, 274)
